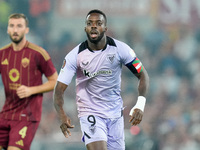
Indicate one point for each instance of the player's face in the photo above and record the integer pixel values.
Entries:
(17, 29)
(95, 27)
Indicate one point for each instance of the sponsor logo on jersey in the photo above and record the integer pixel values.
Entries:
(14, 75)
(88, 74)
(14, 86)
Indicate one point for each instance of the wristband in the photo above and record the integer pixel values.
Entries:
(140, 104)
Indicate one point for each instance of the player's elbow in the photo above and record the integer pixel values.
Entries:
(53, 79)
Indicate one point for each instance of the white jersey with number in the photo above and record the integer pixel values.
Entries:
(98, 77)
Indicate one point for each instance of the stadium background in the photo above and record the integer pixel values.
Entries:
(165, 34)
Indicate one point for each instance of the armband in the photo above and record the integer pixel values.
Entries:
(140, 104)
(135, 66)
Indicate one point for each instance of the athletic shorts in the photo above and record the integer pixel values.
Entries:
(17, 133)
(95, 128)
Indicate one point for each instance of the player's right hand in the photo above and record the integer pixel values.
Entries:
(65, 126)
(136, 117)
(23, 91)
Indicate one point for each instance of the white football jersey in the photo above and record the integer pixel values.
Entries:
(98, 77)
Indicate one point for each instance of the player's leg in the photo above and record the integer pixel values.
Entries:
(99, 145)
(21, 134)
(4, 134)
(116, 138)
(94, 132)
(13, 148)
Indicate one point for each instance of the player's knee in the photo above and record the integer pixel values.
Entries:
(98, 145)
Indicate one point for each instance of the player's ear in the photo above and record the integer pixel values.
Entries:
(27, 30)
(106, 29)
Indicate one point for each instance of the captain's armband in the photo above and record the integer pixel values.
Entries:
(135, 66)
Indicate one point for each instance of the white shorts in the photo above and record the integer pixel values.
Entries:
(95, 128)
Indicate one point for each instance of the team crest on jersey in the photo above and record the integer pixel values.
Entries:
(25, 62)
(110, 57)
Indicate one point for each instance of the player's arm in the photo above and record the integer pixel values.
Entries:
(25, 91)
(140, 72)
(58, 104)
(143, 84)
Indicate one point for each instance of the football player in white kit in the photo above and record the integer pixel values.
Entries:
(97, 63)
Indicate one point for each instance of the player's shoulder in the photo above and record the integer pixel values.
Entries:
(38, 49)
(5, 47)
(119, 43)
(72, 54)
(123, 49)
(81, 47)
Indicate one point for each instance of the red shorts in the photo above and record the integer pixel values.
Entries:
(17, 133)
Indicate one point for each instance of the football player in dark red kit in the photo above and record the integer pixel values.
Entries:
(22, 65)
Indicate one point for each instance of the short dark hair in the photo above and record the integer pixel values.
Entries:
(99, 12)
(19, 15)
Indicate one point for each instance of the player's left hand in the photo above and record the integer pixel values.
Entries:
(23, 91)
(136, 117)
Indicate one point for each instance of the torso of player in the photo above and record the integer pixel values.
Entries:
(99, 72)
(98, 77)
(24, 67)
(19, 68)
(98, 82)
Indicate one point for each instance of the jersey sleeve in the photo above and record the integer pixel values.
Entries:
(129, 59)
(45, 63)
(126, 53)
(69, 67)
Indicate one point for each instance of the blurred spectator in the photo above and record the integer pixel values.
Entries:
(5, 10)
(37, 7)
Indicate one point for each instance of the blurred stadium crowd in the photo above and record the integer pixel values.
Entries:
(166, 37)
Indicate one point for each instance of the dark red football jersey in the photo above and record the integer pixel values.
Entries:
(24, 67)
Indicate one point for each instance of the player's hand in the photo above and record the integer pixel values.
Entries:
(136, 117)
(24, 91)
(65, 126)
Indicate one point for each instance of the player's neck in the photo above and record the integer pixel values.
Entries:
(98, 46)
(19, 46)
